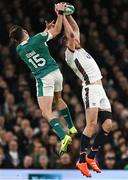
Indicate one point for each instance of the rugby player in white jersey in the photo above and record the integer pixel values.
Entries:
(96, 102)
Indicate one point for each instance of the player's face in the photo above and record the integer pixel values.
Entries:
(25, 34)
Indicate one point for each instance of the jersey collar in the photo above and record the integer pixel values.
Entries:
(24, 42)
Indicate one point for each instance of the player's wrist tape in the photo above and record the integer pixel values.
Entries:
(60, 12)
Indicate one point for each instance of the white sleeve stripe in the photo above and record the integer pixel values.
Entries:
(50, 36)
(43, 33)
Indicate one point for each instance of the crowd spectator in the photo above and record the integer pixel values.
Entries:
(13, 156)
(28, 162)
(65, 162)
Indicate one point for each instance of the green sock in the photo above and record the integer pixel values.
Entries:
(55, 124)
(67, 116)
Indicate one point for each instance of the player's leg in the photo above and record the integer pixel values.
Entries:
(91, 124)
(89, 131)
(45, 104)
(45, 92)
(63, 108)
(105, 117)
(60, 104)
(92, 104)
(91, 108)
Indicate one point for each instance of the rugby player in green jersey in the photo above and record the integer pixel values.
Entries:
(35, 53)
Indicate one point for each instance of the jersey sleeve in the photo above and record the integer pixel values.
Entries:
(69, 55)
(46, 36)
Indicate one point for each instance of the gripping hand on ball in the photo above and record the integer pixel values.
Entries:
(60, 7)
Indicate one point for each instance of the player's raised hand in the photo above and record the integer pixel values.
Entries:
(49, 25)
(60, 7)
(56, 10)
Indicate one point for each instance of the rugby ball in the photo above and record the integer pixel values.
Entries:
(69, 9)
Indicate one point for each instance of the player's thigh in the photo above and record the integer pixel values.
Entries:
(58, 82)
(90, 97)
(105, 114)
(104, 102)
(45, 92)
(57, 95)
(91, 102)
(57, 98)
(45, 86)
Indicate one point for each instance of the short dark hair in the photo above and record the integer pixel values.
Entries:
(16, 33)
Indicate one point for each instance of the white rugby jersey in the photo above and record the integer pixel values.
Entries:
(83, 65)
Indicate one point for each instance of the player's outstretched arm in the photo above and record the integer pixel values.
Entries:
(74, 26)
(69, 34)
(58, 25)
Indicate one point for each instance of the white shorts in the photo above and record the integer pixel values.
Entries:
(94, 96)
(53, 82)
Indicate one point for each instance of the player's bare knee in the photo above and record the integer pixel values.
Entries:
(107, 125)
(92, 124)
(46, 113)
(89, 131)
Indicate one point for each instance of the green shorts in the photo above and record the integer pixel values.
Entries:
(53, 82)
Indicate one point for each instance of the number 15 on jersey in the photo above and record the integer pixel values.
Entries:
(37, 61)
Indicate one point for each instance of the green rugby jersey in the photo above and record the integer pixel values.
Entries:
(35, 53)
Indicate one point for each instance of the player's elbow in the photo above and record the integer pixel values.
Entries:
(72, 35)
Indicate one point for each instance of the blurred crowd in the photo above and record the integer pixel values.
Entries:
(26, 139)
